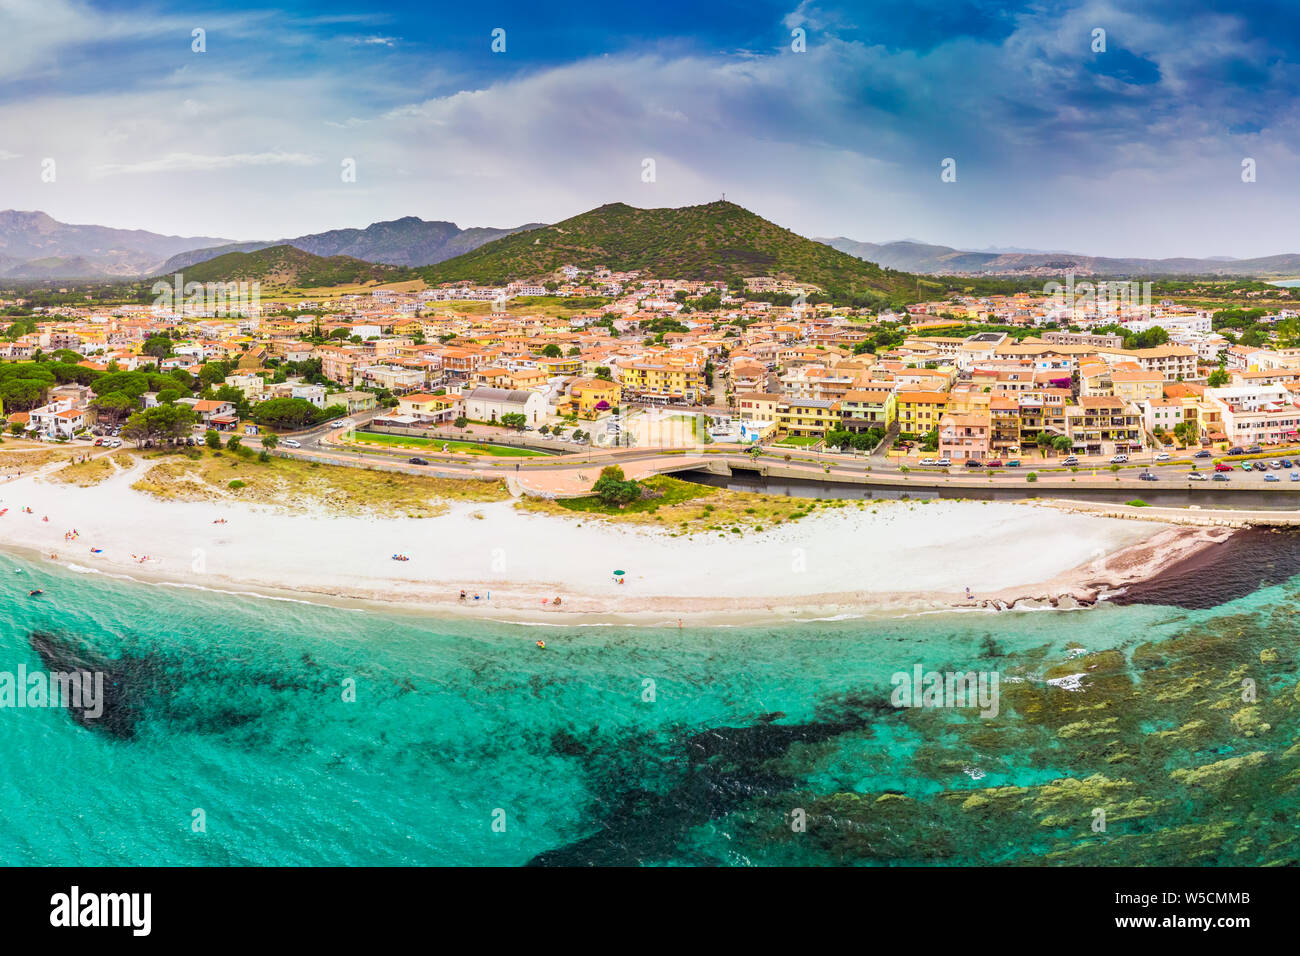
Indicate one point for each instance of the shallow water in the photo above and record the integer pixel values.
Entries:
(466, 744)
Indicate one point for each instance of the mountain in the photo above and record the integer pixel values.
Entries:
(34, 245)
(410, 241)
(719, 240)
(286, 266)
(944, 260)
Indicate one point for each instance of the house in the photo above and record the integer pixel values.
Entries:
(964, 437)
(593, 396)
(486, 404)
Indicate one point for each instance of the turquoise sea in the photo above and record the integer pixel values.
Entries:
(468, 745)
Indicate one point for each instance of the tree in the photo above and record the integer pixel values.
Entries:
(1062, 443)
(603, 372)
(159, 346)
(288, 413)
(115, 405)
(270, 441)
(212, 438)
(160, 423)
(552, 351)
(515, 420)
(613, 488)
(461, 422)
(234, 443)
(1218, 378)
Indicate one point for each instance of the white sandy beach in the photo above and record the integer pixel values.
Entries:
(890, 555)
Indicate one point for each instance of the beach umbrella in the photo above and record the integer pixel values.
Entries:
(618, 574)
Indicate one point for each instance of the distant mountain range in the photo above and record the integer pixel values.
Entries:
(288, 266)
(409, 241)
(944, 260)
(35, 246)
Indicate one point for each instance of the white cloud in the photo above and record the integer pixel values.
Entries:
(195, 162)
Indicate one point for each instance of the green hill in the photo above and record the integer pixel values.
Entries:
(285, 266)
(716, 241)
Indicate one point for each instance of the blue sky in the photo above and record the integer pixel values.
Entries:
(1134, 150)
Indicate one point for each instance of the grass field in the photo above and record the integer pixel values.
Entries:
(457, 447)
(303, 486)
(688, 508)
(551, 306)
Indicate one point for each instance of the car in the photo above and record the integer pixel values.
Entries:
(1119, 460)
(945, 462)
(1221, 477)
(1148, 476)
(1013, 463)
(418, 461)
(993, 463)
(1275, 465)
(1220, 466)
(974, 463)
(1254, 449)
(1071, 460)
(1164, 456)
(190, 441)
(290, 443)
(1236, 450)
(1246, 466)
(929, 461)
(1295, 476)
(1197, 476)
(99, 441)
(1286, 463)
(1203, 453)
(1272, 478)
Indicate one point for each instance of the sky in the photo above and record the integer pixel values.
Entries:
(828, 118)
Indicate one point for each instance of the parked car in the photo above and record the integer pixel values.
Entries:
(1254, 449)
(291, 443)
(1203, 453)
(945, 462)
(1247, 466)
(1221, 477)
(1164, 456)
(1013, 463)
(974, 463)
(1198, 476)
(1275, 465)
(1119, 460)
(1286, 462)
(1071, 460)
(1295, 476)
(929, 461)
(1221, 466)
(993, 463)
(1236, 450)
(99, 441)
(1148, 476)
(1272, 478)
(418, 461)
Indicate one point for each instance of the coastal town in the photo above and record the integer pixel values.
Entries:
(965, 382)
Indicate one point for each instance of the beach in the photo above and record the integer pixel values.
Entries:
(886, 556)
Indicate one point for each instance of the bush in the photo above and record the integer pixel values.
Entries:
(1137, 503)
(1032, 476)
(236, 484)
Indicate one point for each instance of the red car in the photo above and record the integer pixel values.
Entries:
(995, 463)
(1220, 466)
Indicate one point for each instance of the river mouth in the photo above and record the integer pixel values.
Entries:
(743, 480)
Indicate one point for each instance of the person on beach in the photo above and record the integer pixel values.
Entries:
(462, 594)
